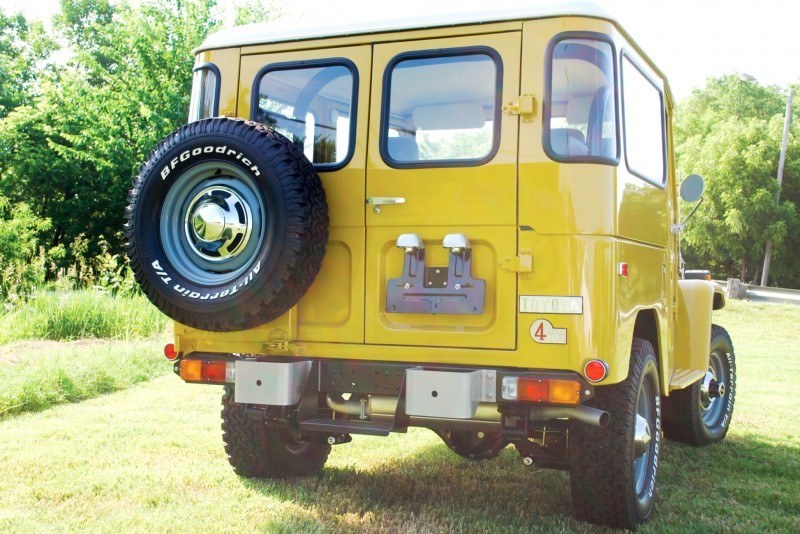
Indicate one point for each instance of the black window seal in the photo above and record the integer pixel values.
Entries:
(441, 53)
(213, 68)
(310, 64)
(635, 64)
(546, 105)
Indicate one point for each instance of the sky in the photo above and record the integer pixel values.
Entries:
(689, 40)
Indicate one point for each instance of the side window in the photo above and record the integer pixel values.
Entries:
(312, 105)
(643, 120)
(580, 122)
(441, 108)
(204, 102)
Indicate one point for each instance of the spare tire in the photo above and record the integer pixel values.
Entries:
(226, 225)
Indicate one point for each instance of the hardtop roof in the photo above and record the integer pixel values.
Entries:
(293, 30)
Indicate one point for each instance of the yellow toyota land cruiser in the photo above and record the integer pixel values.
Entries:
(467, 224)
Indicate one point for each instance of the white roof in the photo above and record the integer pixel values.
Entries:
(291, 30)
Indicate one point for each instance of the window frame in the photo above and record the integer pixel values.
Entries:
(648, 78)
(547, 98)
(383, 135)
(214, 69)
(311, 64)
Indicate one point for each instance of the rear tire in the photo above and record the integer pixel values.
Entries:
(613, 470)
(691, 415)
(257, 450)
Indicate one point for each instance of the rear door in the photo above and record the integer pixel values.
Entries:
(319, 99)
(442, 161)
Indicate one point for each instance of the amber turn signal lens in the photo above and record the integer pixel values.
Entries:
(565, 392)
(192, 370)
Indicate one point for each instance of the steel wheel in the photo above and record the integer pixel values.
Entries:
(643, 444)
(213, 223)
(701, 413)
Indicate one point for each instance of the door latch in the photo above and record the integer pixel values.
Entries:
(525, 107)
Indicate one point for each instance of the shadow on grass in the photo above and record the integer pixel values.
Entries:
(744, 482)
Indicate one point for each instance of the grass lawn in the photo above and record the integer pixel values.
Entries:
(150, 458)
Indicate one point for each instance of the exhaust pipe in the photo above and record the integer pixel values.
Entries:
(584, 414)
(381, 407)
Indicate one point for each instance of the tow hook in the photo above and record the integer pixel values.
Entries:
(527, 461)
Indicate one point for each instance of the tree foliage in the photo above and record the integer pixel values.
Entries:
(730, 132)
(71, 151)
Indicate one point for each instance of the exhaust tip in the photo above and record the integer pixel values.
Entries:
(604, 419)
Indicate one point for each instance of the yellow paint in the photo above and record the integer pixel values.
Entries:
(576, 223)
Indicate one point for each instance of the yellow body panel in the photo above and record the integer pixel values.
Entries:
(578, 221)
(694, 323)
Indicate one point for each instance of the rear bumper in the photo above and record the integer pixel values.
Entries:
(393, 395)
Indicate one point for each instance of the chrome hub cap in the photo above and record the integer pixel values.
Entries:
(642, 438)
(218, 223)
(713, 389)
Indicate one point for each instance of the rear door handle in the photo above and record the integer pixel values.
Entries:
(375, 201)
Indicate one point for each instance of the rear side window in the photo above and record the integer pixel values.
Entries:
(441, 108)
(643, 119)
(580, 106)
(204, 102)
(312, 104)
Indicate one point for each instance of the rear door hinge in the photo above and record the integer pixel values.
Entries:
(279, 343)
(525, 107)
(523, 263)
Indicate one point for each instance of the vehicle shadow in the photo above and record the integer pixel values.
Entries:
(434, 490)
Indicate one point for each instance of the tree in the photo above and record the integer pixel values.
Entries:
(71, 152)
(22, 46)
(730, 132)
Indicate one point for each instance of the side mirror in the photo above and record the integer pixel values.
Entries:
(692, 188)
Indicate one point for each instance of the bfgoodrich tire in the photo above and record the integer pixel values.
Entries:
(613, 470)
(257, 450)
(701, 413)
(226, 225)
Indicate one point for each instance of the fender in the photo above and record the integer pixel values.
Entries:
(696, 300)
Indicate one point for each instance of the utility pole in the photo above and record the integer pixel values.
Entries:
(787, 120)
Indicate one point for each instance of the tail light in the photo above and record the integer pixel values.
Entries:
(550, 390)
(208, 371)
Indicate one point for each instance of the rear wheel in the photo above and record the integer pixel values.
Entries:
(613, 470)
(258, 450)
(701, 414)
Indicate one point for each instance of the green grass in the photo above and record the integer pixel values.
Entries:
(150, 458)
(72, 315)
(38, 375)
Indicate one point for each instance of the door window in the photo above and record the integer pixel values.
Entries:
(204, 102)
(580, 111)
(313, 106)
(643, 118)
(441, 108)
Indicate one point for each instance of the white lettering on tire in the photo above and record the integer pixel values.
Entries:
(194, 295)
(222, 149)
